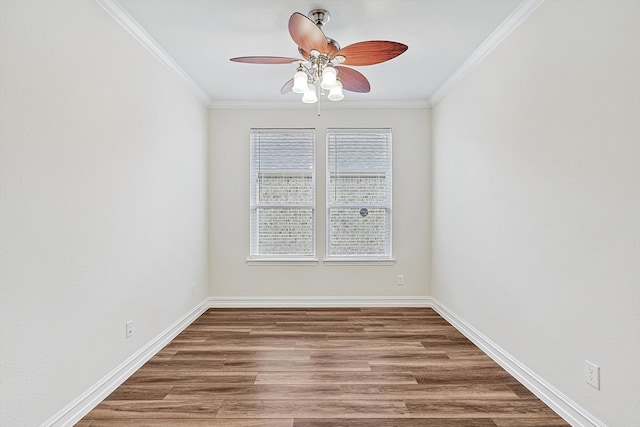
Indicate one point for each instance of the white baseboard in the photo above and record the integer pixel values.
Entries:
(83, 404)
(565, 407)
(573, 413)
(302, 302)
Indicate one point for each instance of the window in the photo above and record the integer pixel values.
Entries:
(359, 193)
(282, 193)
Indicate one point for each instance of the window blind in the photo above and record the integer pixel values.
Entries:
(282, 193)
(359, 193)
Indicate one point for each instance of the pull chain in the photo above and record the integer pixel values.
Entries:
(318, 91)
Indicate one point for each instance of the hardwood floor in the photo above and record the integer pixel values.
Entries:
(382, 367)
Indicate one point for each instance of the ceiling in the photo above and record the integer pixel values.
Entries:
(201, 36)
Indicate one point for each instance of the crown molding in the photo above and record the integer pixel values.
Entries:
(324, 106)
(122, 17)
(517, 17)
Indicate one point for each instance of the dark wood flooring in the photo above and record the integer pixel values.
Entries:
(382, 367)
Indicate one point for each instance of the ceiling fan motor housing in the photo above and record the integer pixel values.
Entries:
(319, 16)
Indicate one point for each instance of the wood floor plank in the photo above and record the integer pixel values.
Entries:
(197, 377)
(338, 367)
(279, 333)
(239, 355)
(335, 378)
(312, 409)
(521, 391)
(389, 335)
(361, 345)
(542, 421)
(296, 365)
(255, 392)
(164, 354)
(240, 345)
(451, 374)
(394, 422)
(109, 409)
(129, 391)
(470, 408)
(315, 326)
(425, 367)
(188, 422)
(209, 333)
(424, 391)
(377, 355)
(183, 365)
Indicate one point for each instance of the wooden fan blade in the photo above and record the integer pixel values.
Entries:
(371, 52)
(287, 87)
(264, 60)
(306, 34)
(352, 80)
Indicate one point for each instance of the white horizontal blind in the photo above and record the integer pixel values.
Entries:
(359, 193)
(282, 193)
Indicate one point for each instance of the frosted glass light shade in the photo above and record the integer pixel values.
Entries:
(328, 77)
(335, 94)
(310, 96)
(300, 82)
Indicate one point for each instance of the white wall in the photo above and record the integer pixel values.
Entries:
(230, 276)
(102, 202)
(536, 219)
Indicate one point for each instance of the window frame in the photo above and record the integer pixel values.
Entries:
(255, 257)
(378, 259)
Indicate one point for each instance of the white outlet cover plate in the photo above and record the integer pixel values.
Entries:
(592, 374)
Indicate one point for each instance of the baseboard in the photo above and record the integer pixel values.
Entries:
(302, 302)
(573, 413)
(83, 404)
(560, 403)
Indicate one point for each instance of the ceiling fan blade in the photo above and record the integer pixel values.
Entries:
(353, 80)
(371, 52)
(264, 60)
(306, 34)
(287, 87)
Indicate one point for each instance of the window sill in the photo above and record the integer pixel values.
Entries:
(282, 261)
(359, 261)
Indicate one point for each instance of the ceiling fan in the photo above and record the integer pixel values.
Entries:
(323, 59)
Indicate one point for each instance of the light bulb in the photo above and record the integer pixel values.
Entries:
(310, 96)
(300, 81)
(328, 77)
(335, 94)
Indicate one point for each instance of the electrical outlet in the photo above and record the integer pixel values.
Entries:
(592, 374)
(400, 279)
(193, 288)
(129, 329)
